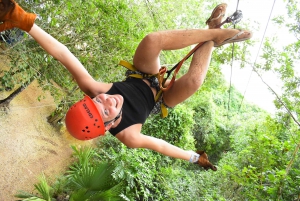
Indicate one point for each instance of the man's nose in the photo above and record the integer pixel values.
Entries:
(109, 101)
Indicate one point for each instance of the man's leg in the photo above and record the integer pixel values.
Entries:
(189, 83)
(146, 58)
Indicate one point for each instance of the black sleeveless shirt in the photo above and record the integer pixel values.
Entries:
(138, 102)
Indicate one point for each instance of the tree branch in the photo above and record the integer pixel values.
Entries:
(278, 98)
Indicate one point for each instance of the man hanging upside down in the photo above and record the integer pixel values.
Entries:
(122, 107)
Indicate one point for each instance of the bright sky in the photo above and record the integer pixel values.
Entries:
(245, 81)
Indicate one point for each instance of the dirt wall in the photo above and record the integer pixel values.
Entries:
(29, 146)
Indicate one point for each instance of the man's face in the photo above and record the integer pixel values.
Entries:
(109, 106)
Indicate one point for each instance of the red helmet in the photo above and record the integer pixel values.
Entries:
(84, 121)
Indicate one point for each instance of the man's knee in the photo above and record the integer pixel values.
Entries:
(152, 38)
(195, 82)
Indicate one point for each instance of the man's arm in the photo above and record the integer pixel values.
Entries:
(132, 138)
(60, 52)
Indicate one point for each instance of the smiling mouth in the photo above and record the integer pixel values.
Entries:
(117, 103)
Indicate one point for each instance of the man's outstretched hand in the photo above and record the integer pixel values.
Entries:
(204, 162)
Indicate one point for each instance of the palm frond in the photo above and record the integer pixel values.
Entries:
(84, 154)
(82, 178)
(93, 178)
(60, 186)
(23, 194)
(34, 199)
(80, 195)
(44, 189)
(102, 179)
(112, 194)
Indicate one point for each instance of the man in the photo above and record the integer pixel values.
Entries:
(122, 107)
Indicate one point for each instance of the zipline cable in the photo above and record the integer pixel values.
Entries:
(257, 54)
(230, 82)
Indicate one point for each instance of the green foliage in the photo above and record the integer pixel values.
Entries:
(151, 176)
(138, 167)
(175, 128)
(86, 180)
(26, 196)
(256, 168)
(45, 191)
(92, 181)
(34, 199)
(183, 184)
(216, 115)
(256, 153)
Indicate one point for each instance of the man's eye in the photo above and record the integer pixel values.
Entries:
(98, 100)
(105, 112)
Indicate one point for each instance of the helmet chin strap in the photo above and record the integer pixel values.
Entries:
(113, 120)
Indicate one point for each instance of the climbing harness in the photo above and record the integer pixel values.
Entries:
(158, 80)
(154, 82)
(152, 79)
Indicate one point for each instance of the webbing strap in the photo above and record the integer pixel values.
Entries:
(164, 110)
(163, 70)
(127, 65)
(162, 79)
(131, 67)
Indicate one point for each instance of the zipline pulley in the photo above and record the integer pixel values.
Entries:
(235, 18)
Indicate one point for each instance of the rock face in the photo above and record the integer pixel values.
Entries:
(29, 146)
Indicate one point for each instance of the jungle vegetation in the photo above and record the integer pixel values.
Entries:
(257, 153)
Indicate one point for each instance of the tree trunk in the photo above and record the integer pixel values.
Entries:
(5, 102)
(57, 116)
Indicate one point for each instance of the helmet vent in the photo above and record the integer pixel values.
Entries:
(86, 130)
(97, 125)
